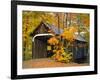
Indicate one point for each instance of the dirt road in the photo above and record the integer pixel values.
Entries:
(46, 63)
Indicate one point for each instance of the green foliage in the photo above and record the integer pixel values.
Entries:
(31, 20)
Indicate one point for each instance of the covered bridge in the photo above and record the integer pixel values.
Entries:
(40, 36)
(44, 31)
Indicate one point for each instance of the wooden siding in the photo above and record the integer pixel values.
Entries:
(39, 49)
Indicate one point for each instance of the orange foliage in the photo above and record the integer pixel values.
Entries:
(53, 41)
(86, 22)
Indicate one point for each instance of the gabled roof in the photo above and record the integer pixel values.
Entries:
(56, 30)
(53, 28)
(80, 38)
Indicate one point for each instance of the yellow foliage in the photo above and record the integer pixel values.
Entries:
(54, 51)
(69, 33)
(73, 29)
(61, 56)
(85, 19)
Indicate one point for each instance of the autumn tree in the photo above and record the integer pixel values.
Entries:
(69, 22)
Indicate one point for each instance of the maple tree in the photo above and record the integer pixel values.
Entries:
(53, 41)
(60, 55)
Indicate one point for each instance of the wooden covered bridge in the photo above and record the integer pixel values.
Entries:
(43, 32)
